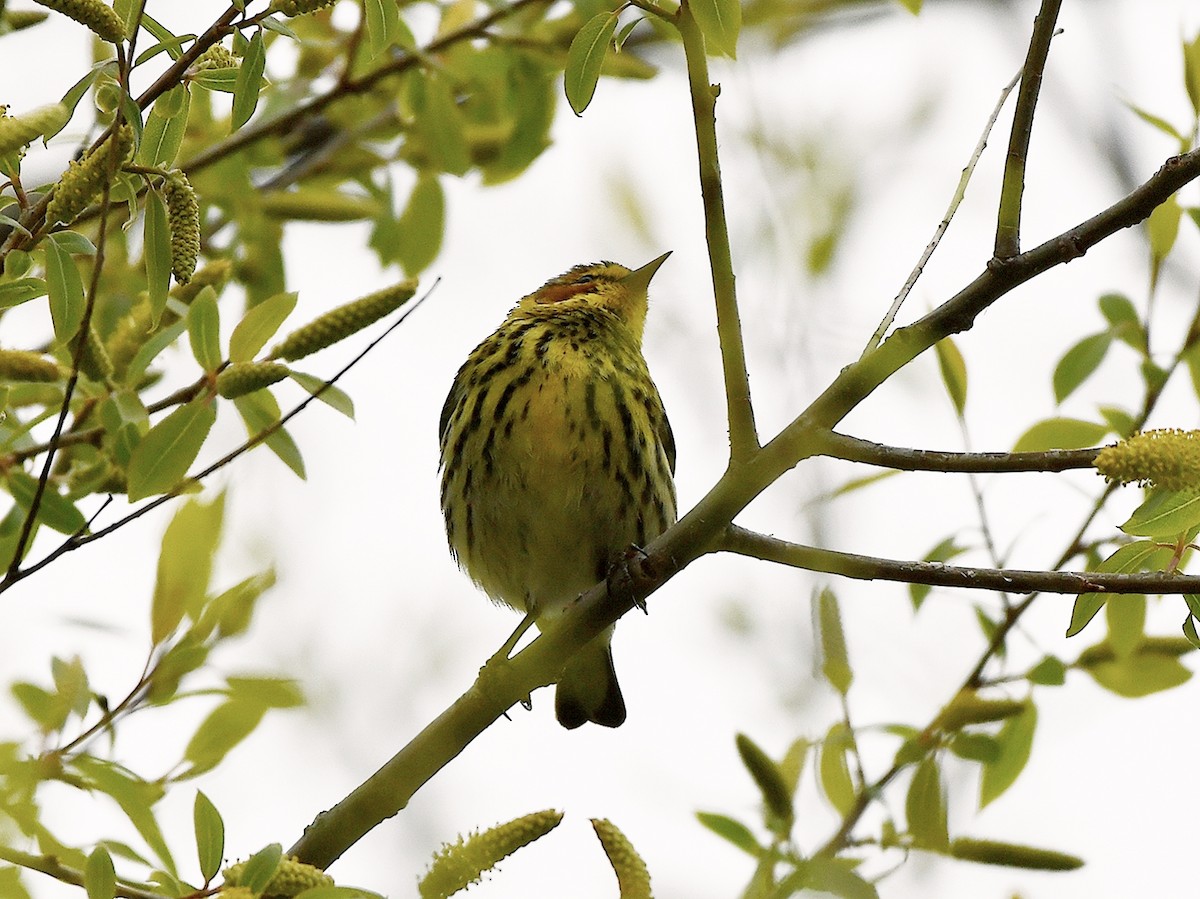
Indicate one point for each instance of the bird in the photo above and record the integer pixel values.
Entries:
(557, 459)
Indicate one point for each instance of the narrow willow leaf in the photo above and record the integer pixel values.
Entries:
(441, 126)
(65, 287)
(1016, 742)
(925, 807)
(163, 456)
(136, 798)
(777, 798)
(1164, 515)
(1060, 433)
(55, 510)
(734, 831)
(249, 82)
(332, 395)
(383, 24)
(22, 290)
(585, 58)
(99, 877)
(210, 836)
(151, 348)
(1078, 363)
(420, 228)
(954, 372)
(259, 411)
(259, 868)
(226, 726)
(185, 564)
(165, 128)
(835, 662)
(836, 878)
(1126, 618)
(259, 325)
(834, 770)
(157, 253)
(204, 330)
(1130, 558)
(1162, 227)
(720, 21)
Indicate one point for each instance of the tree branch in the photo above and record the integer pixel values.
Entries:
(1008, 226)
(743, 435)
(1014, 580)
(853, 449)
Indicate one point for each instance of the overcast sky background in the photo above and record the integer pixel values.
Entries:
(383, 632)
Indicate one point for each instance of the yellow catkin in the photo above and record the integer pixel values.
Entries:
(241, 378)
(17, 131)
(23, 365)
(95, 362)
(632, 876)
(96, 15)
(83, 180)
(338, 324)
(1167, 458)
(292, 877)
(291, 8)
(236, 893)
(183, 219)
(460, 864)
(218, 56)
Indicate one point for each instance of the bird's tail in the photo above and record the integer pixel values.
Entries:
(588, 690)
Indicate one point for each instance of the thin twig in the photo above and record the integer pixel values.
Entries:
(853, 449)
(50, 865)
(1008, 225)
(959, 193)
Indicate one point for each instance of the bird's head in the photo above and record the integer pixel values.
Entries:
(605, 285)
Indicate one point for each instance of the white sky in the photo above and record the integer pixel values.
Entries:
(375, 621)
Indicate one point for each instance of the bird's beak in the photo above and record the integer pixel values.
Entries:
(638, 280)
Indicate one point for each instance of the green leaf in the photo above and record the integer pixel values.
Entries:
(1132, 557)
(204, 329)
(185, 564)
(65, 288)
(1162, 227)
(249, 82)
(269, 692)
(954, 372)
(151, 348)
(100, 878)
(1164, 515)
(735, 832)
(136, 798)
(720, 20)
(833, 769)
(157, 253)
(210, 836)
(793, 762)
(1147, 670)
(259, 411)
(226, 726)
(1122, 316)
(1016, 742)
(1126, 616)
(383, 24)
(261, 867)
(74, 243)
(22, 290)
(55, 510)
(925, 807)
(1191, 71)
(975, 747)
(585, 58)
(835, 662)
(1160, 123)
(420, 228)
(224, 80)
(332, 395)
(259, 325)
(165, 128)
(231, 612)
(1049, 672)
(163, 456)
(1060, 433)
(440, 124)
(834, 876)
(1078, 363)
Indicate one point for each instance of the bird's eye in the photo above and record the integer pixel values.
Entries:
(585, 279)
